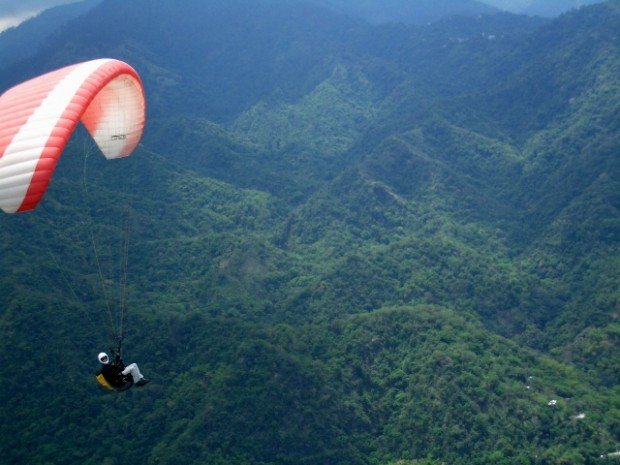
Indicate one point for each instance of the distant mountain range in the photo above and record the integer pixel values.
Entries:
(21, 43)
(547, 8)
(405, 11)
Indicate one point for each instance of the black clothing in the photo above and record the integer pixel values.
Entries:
(142, 382)
(113, 374)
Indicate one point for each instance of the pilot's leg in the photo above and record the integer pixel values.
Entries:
(134, 371)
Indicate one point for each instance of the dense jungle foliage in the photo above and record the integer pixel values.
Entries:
(349, 243)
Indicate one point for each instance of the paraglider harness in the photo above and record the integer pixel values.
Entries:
(111, 376)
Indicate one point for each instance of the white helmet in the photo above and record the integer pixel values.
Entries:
(103, 357)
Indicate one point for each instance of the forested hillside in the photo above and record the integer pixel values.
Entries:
(349, 243)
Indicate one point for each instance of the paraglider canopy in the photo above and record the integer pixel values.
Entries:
(37, 118)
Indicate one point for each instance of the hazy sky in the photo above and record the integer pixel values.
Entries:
(13, 12)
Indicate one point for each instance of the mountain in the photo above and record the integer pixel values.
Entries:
(348, 243)
(402, 11)
(547, 8)
(551, 8)
(20, 43)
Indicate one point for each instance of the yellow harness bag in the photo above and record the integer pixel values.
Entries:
(103, 382)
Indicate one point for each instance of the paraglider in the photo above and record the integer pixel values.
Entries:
(37, 118)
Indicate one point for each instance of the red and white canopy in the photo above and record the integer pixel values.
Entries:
(38, 117)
